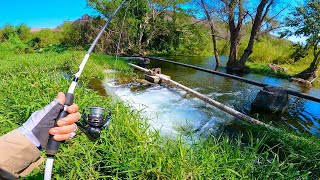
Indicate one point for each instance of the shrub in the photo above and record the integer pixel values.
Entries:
(7, 32)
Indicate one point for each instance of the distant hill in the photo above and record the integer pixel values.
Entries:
(39, 29)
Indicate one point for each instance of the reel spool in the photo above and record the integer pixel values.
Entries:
(94, 122)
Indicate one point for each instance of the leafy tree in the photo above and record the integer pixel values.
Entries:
(152, 25)
(247, 17)
(261, 13)
(300, 51)
(237, 12)
(127, 24)
(306, 22)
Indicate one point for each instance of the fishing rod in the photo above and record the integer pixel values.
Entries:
(53, 146)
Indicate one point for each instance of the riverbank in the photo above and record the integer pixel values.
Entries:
(292, 69)
(129, 148)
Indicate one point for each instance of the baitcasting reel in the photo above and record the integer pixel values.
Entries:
(94, 122)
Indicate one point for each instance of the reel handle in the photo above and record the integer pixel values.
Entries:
(53, 146)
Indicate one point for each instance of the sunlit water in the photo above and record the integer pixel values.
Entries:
(172, 111)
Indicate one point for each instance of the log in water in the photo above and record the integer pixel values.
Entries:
(206, 99)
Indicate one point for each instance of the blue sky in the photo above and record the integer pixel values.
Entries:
(42, 13)
(50, 13)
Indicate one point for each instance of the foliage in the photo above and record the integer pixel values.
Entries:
(45, 37)
(23, 32)
(300, 51)
(70, 35)
(271, 50)
(21, 40)
(306, 22)
(152, 26)
(7, 32)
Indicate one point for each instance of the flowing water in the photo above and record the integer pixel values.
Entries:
(172, 111)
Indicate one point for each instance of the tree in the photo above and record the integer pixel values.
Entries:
(238, 13)
(153, 25)
(306, 22)
(212, 28)
(262, 11)
(235, 13)
(127, 25)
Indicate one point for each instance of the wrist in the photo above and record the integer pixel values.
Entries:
(29, 135)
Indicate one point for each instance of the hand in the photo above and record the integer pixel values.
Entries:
(66, 126)
(37, 127)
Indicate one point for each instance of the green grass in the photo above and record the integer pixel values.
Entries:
(129, 149)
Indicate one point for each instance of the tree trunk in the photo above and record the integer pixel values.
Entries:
(234, 29)
(239, 65)
(311, 72)
(214, 41)
(141, 31)
(233, 50)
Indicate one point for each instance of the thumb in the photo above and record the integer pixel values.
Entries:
(61, 98)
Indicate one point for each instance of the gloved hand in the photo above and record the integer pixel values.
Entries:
(40, 123)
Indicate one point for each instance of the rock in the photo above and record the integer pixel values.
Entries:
(271, 99)
(276, 68)
(143, 61)
(301, 81)
(85, 18)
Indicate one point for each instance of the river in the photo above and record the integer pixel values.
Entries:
(172, 111)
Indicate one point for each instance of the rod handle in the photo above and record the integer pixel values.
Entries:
(53, 146)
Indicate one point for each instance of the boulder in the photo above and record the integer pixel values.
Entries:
(271, 99)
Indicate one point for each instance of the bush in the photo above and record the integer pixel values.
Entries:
(13, 44)
(69, 34)
(23, 32)
(46, 37)
(271, 50)
(7, 32)
(20, 40)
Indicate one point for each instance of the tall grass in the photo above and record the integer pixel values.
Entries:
(130, 148)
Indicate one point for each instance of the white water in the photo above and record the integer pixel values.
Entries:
(169, 110)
